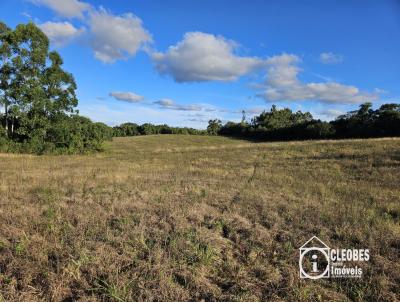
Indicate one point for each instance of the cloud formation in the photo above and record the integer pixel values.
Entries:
(116, 37)
(171, 104)
(60, 33)
(331, 114)
(330, 58)
(65, 8)
(283, 84)
(129, 97)
(204, 57)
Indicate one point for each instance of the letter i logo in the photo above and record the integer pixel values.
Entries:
(314, 263)
(314, 259)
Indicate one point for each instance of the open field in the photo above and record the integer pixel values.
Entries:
(192, 218)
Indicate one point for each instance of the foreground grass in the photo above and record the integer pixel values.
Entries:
(190, 218)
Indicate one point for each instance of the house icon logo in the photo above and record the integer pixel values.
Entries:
(314, 259)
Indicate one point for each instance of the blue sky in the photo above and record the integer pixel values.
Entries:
(183, 63)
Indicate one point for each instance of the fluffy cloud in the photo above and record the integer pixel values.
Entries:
(65, 8)
(282, 71)
(204, 57)
(170, 104)
(116, 37)
(129, 97)
(283, 84)
(330, 58)
(60, 33)
(112, 37)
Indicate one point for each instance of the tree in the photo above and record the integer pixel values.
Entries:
(280, 118)
(41, 90)
(365, 110)
(5, 69)
(387, 120)
(59, 87)
(148, 129)
(39, 96)
(214, 127)
(126, 129)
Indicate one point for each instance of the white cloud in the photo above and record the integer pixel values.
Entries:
(116, 37)
(331, 114)
(60, 33)
(282, 71)
(65, 8)
(204, 57)
(112, 37)
(129, 97)
(330, 58)
(170, 104)
(283, 84)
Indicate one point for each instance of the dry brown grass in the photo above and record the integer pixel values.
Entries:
(189, 218)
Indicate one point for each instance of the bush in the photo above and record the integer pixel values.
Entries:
(66, 135)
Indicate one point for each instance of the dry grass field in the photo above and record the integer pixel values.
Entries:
(191, 218)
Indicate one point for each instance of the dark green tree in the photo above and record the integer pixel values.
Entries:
(214, 127)
(126, 129)
(39, 96)
(280, 118)
(41, 90)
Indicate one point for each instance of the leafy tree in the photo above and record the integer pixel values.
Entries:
(5, 71)
(214, 127)
(280, 118)
(42, 91)
(39, 96)
(319, 129)
(147, 129)
(165, 129)
(126, 129)
(235, 129)
(388, 120)
(366, 122)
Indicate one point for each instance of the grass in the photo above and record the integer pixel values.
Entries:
(192, 218)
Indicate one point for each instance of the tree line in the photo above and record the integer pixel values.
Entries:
(284, 124)
(132, 129)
